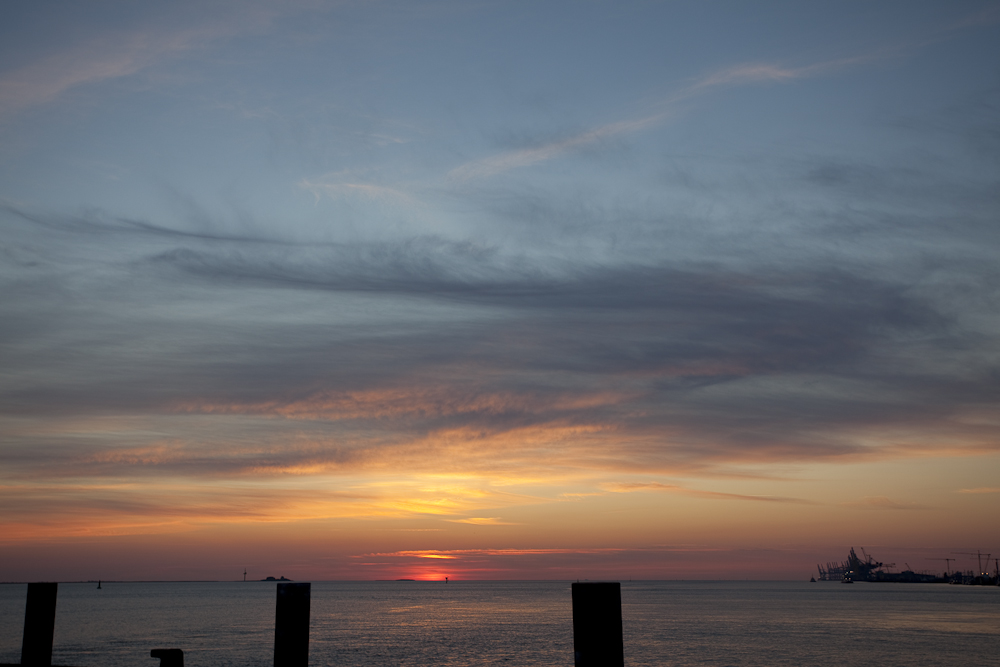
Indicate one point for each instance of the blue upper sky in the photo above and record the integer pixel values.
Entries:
(376, 121)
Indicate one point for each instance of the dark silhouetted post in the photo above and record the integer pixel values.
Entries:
(291, 626)
(597, 625)
(39, 624)
(169, 657)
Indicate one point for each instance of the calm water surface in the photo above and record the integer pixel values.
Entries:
(379, 624)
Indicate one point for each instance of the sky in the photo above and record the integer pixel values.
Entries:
(497, 290)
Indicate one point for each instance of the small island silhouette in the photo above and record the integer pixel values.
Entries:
(273, 579)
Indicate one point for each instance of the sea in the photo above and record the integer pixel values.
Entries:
(467, 623)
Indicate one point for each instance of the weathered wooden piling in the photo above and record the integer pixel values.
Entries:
(597, 625)
(39, 624)
(169, 657)
(291, 626)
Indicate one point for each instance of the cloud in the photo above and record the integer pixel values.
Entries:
(43, 81)
(735, 75)
(981, 489)
(336, 189)
(528, 156)
(885, 503)
(102, 508)
(454, 554)
(742, 74)
(320, 359)
(484, 521)
(120, 53)
(986, 17)
(631, 487)
(417, 400)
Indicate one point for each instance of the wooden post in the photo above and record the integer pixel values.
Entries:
(39, 624)
(597, 625)
(291, 626)
(169, 657)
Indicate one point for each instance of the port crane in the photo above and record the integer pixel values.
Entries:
(979, 559)
(947, 564)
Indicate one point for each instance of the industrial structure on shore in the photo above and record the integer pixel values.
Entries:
(868, 569)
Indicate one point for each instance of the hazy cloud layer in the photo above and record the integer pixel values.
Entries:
(426, 335)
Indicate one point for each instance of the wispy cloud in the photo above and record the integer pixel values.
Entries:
(441, 401)
(102, 507)
(453, 554)
(736, 75)
(631, 487)
(45, 80)
(528, 156)
(742, 74)
(981, 489)
(116, 54)
(658, 561)
(885, 503)
(986, 17)
(334, 189)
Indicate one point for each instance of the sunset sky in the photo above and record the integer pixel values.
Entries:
(497, 289)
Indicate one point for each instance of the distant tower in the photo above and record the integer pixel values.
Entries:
(244, 574)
